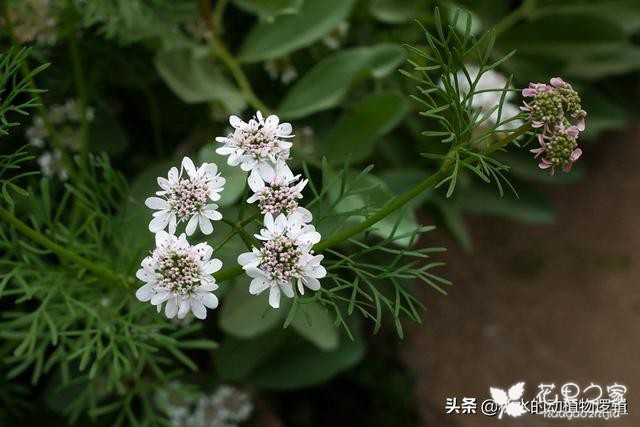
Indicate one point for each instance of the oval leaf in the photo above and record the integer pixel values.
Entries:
(287, 33)
(327, 83)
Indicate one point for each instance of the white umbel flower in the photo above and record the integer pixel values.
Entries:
(180, 275)
(52, 164)
(285, 257)
(280, 193)
(492, 82)
(185, 199)
(257, 145)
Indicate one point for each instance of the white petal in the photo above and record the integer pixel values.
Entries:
(198, 309)
(267, 172)
(258, 285)
(212, 214)
(274, 297)
(159, 223)
(173, 223)
(287, 289)
(171, 308)
(188, 165)
(212, 266)
(236, 121)
(210, 300)
(183, 309)
(155, 203)
(173, 174)
(191, 225)
(248, 259)
(160, 297)
(312, 283)
(163, 183)
(146, 292)
(145, 275)
(284, 129)
(205, 224)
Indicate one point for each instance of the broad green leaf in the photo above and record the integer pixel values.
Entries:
(402, 180)
(530, 208)
(356, 132)
(235, 177)
(246, 316)
(236, 357)
(313, 322)
(326, 85)
(287, 33)
(372, 193)
(624, 13)
(299, 364)
(194, 78)
(565, 36)
(268, 10)
(394, 11)
(615, 61)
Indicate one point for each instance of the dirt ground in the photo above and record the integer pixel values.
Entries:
(544, 304)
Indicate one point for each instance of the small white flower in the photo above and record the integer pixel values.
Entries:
(281, 192)
(37, 132)
(286, 256)
(180, 275)
(334, 39)
(185, 199)
(257, 145)
(51, 164)
(281, 68)
(493, 82)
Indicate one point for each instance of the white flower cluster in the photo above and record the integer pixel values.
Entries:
(66, 119)
(286, 256)
(227, 407)
(176, 272)
(488, 94)
(181, 275)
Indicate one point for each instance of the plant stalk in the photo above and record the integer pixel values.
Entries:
(61, 251)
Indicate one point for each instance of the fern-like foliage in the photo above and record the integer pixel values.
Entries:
(447, 89)
(17, 93)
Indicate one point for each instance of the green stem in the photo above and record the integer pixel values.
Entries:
(511, 19)
(218, 15)
(220, 50)
(81, 89)
(42, 110)
(58, 249)
(395, 204)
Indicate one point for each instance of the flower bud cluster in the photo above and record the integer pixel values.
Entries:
(556, 112)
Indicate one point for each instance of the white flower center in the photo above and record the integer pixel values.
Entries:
(179, 270)
(187, 198)
(278, 198)
(279, 259)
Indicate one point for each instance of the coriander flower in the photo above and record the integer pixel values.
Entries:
(285, 257)
(180, 275)
(493, 83)
(280, 193)
(186, 199)
(553, 104)
(257, 145)
(52, 164)
(558, 148)
(281, 69)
